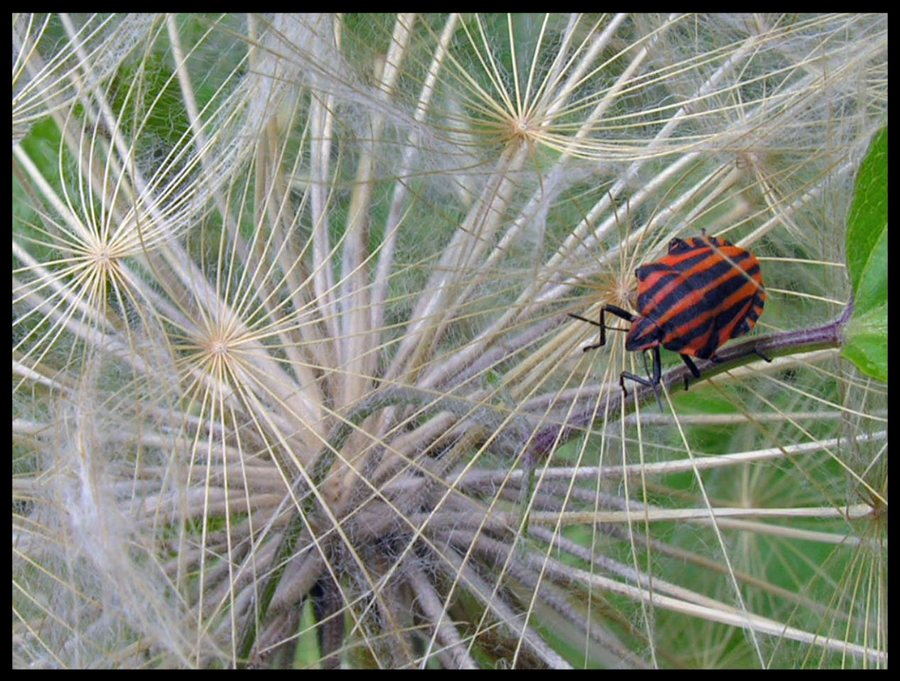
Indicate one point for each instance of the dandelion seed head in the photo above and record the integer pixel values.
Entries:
(293, 366)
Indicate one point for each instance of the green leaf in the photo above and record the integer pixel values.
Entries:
(867, 225)
(867, 346)
(866, 335)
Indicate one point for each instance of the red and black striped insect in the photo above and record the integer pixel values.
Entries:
(702, 293)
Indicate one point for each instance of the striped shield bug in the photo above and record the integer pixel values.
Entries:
(702, 293)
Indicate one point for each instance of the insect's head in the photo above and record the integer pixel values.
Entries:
(643, 335)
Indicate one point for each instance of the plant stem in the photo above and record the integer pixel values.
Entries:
(790, 343)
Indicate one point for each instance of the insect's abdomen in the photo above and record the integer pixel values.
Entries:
(704, 292)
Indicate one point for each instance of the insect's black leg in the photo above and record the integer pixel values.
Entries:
(657, 376)
(618, 312)
(657, 366)
(715, 360)
(652, 382)
(760, 354)
(693, 367)
(591, 321)
(632, 377)
(612, 309)
(602, 328)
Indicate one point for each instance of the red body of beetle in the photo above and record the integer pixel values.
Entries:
(702, 293)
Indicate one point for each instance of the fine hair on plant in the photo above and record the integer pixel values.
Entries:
(296, 379)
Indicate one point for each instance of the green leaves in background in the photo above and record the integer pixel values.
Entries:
(867, 261)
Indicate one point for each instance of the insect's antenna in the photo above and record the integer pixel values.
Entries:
(583, 319)
(593, 323)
